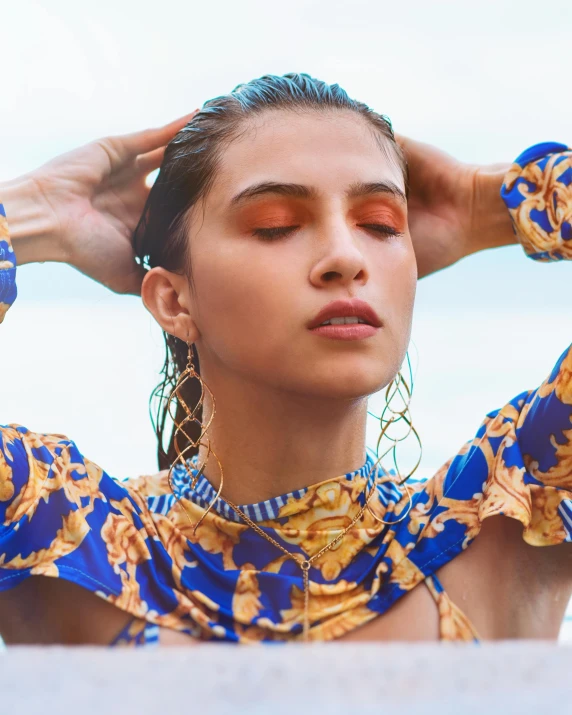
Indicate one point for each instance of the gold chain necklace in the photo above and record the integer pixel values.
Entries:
(191, 416)
(305, 564)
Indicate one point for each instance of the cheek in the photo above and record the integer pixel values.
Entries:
(408, 280)
(237, 297)
(398, 278)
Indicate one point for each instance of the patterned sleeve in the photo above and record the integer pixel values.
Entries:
(538, 193)
(519, 463)
(60, 514)
(7, 267)
(63, 516)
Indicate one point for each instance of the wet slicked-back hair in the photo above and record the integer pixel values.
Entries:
(186, 175)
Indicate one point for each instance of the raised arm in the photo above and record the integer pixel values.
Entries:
(80, 208)
(519, 463)
(538, 193)
(529, 202)
(455, 209)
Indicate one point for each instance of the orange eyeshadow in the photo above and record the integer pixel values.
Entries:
(268, 215)
(379, 212)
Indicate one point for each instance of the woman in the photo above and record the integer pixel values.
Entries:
(278, 249)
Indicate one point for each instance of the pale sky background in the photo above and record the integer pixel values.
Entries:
(482, 80)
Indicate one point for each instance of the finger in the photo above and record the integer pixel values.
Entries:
(150, 139)
(134, 281)
(150, 161)
(128, 282)
(404, 142)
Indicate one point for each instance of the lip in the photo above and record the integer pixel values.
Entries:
(355, 331)
(353, 308)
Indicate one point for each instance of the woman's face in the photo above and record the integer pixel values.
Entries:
(305, 209)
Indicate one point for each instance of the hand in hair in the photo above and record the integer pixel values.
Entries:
(81, 208)
(454, 208)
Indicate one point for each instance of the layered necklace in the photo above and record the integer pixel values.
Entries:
(191, 416)
(303, 563)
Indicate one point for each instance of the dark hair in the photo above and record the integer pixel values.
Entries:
(187, 173)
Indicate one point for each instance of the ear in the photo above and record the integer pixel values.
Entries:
(166, 296)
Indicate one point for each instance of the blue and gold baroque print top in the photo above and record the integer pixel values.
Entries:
(132, 543)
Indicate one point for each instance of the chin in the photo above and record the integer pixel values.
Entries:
(347, 384)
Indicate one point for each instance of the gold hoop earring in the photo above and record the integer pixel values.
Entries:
(181, 429)
(397, 387)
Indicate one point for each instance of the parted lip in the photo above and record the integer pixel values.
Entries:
(353, 308)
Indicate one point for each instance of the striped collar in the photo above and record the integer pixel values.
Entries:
(204, 493)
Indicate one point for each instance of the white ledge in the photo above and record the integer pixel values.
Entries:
(322, 679)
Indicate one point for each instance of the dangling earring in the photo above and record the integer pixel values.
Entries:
(398, 386)
(180, 429)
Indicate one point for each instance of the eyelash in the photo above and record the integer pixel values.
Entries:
(381, 228)
(272, 234)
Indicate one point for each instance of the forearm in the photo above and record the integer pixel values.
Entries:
(30, 220)
(491, 225)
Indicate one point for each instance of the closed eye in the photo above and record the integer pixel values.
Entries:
(381, 229)
(269, 234)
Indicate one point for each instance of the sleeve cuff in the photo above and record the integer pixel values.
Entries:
(8, 290)
(537, 191)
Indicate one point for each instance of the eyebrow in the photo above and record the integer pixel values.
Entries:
(376, 187)
(299, 191)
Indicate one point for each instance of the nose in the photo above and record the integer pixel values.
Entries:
(340, 259)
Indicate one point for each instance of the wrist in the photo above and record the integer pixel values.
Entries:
(31, 222)
(491, 226)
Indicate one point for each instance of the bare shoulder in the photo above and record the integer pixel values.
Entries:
(49, 611)
(508, 588)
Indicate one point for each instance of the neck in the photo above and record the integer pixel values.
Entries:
(270, 442)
